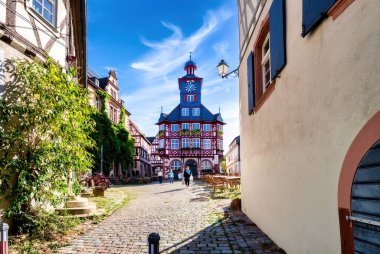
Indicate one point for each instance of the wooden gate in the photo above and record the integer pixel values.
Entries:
(365, 203)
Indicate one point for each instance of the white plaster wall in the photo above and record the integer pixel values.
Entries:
(2, 13)
(292, 149)
(24, 28)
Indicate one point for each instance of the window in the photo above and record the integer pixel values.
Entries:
(97, 103)
(268, 58)
(185, 126)
(162, 143)
(174, 144)
(176, 165)
(195, 126)
(162, 127)
(313, 12)
(265, 63)
(46, 8)
(185, 111)
(196, 112)
(220, 144)
(113, 93)
(206, 127)
(174, 127)
(206, 166)
(220, 127)
(190, 97)
(206, 144)
(196, 143)
(185, 143)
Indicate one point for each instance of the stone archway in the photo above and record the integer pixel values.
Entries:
(193, 167)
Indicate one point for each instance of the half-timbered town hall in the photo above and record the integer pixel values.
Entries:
(190, 135)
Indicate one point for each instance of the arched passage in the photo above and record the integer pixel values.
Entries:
(359, 151)
(193, 167)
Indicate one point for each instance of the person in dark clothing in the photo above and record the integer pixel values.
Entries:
(187, 175)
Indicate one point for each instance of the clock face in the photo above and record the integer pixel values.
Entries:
(190, 86)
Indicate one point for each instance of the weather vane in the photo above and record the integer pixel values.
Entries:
(190, 54)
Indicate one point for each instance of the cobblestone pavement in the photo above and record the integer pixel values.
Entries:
(187, 219)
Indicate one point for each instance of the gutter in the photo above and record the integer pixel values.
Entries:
(83, 15)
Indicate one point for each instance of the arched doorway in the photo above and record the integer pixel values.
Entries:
(359, 192)
(193, 167)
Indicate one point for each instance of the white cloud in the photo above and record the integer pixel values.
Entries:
(163, 63)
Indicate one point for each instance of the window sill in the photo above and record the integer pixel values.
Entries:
(265, 96)
(339, 7)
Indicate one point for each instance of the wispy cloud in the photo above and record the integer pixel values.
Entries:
(163, 63)
(170, 54)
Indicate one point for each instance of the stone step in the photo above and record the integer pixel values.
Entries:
(89, 209)
(77, 203)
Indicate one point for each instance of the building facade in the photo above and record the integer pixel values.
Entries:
(233, 157)
(113, 106)
(310, 122)
(142, 151)
(190, 135)
(40, 29)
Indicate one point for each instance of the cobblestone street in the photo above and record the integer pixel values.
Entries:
(187, 220)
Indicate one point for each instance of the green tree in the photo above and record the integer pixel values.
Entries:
(45, 125)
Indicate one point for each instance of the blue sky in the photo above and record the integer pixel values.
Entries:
(147, 43)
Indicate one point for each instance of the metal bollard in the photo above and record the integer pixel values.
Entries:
(154, 243)
(4, 238)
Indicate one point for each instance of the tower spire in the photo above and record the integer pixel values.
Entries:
(190, 54)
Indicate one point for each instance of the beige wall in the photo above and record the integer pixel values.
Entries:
(292, 149)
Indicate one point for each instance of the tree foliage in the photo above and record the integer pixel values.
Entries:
(45, 125)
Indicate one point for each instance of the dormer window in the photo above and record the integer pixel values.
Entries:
(97, 82)
(47, 9)
(185, 111)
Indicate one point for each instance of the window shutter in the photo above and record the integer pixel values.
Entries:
(185, 97)
(195, 97)
(277, 30)
(251, 85)
(313, 12)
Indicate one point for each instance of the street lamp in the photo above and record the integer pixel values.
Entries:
(223, 70)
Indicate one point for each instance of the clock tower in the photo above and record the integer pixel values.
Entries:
(190, 135)
(190, 86)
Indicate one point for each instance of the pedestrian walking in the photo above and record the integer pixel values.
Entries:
(160, 176)
(187, 175)
(171, 176)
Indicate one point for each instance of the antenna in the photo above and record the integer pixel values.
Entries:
(161, 109)
(219, 109)
(190, 54)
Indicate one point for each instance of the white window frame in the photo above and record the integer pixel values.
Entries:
(264, 61)
(195, 124)
(196, 111)
(196, 143)
(190, 98)
(176, 165)
(204, 163)
(185, 112)
(185, 143)
(174, 144)
(206, 129)
(220, 144)
(185, 124)
(207, 144)
(162, 143)
(174, 127)
(44, 9)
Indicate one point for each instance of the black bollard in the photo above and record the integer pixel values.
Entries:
(4, 238)
(154, 243)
